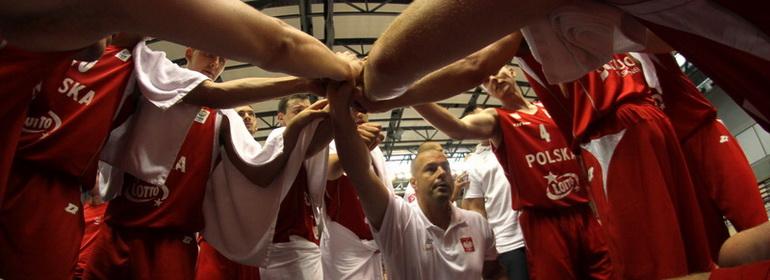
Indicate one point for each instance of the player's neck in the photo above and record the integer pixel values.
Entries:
(438, 213)
(514, 103)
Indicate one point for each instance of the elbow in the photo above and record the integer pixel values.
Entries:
(207, 94)
(280, 49)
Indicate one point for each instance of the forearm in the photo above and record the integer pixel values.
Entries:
(442, 119)
(461, 75)
(321, 139)
(240, 92)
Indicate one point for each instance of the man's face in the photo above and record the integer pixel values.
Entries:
(205, 63)
(247, 114)
(501, 83)
(431, 177)
(293, 107)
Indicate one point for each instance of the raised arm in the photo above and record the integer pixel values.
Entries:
(431, 34)
(478, 126)
(239, 92)
(354, 156)
(229, 28)
(263, 175)
(455, 78)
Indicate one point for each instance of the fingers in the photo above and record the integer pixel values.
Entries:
(318, 105)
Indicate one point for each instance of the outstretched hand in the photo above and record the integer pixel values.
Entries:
(318, 110)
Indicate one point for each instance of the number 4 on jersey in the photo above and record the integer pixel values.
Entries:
(544, 133)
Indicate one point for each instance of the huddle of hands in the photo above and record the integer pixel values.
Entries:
(344, 99)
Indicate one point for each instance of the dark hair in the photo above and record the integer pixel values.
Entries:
(284, 102)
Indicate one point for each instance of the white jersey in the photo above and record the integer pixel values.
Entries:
(488, 181)
(297, 259)
(414, 248)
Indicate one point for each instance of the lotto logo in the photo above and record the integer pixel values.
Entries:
(467, 243)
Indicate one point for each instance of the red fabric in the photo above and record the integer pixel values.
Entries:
(538, 162)
(295, 217)
(71, 117)
(41, 224)
(743, 76)
(178, 204)
(683, 103)
(752, 271)
(122, 253)
(344, 207)
(20, 72)
(214, 266)
(559, 106)
(598, 93)
(565, 244)
(648, 207)
(94, 217)
(725, 181)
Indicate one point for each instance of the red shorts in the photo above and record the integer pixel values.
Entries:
(213, 265)
(725, 182)
(121, 253)
(94, 217)
(565, 243)
(754, 271)
(645, 199)
(41, 225)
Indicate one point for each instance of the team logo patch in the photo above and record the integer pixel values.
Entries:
(202, 115)
(123, 55)
(467, 243)
(516, 116)
(560, 186)
(84, 66)
(411, 198)
(723, 139)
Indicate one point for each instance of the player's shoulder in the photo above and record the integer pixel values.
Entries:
(491, 111)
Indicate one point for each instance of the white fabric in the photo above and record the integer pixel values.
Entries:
(106, 174)
(703, 18)
(580, 37)
(298, 259)
(410, 195)
(488, 181)
(414, 248)
(648, 68)
(344, 255)
(162, 81)
(133, 146)
(240, 216)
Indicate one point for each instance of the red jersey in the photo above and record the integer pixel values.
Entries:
(177, 205)
(344, 207)
(538, 163)
(599, 92)
(20, 71)
(72, 114)
(683, 103)
(295, 217)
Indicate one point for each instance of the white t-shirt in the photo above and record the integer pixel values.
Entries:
(488, 181)
(414, 248)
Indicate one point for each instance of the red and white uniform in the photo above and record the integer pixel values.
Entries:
(20, 73)
(348, 249)
(147, 223)
(631, 147)
(66, 125)
(295, 252)
(720, 172)
(213, 265)
(547, 185)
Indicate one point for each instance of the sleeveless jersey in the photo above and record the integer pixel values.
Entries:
(177, 205)
(72, 114)
(344, 207)
(538, 163)
(295, 217)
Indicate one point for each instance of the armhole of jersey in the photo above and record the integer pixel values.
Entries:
(215, 152)
(128, 91)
